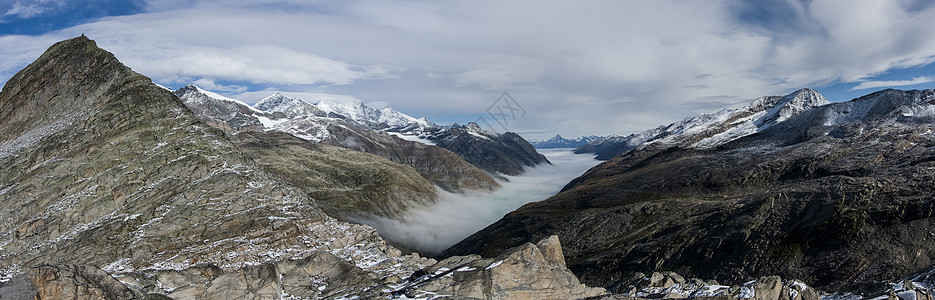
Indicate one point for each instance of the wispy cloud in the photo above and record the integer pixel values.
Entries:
(32, 8)
(889, 83)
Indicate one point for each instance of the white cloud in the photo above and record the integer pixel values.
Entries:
(434, 228)
(209, 84)
(890, 83)
(454, 58)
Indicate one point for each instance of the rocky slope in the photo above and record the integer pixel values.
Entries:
(346, 184)
(838, 196)
(110, 188)
(714, 129)
(100, 166)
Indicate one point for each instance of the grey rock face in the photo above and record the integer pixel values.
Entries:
(837, 196)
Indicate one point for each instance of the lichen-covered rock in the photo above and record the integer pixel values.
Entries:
(78, 282)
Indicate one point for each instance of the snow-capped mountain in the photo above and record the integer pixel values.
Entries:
(713, 129)
(349, 123)
(290, 107)
(558, 141)
(395, 119)
(340, 107)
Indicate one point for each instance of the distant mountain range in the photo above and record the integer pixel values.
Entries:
(559, 142)
(354, 125)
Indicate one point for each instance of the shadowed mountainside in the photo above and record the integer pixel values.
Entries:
(839, 195)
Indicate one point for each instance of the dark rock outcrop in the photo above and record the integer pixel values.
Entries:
(506, 153)
(838, 196)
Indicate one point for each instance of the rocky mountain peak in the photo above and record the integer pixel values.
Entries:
(72, 80)
(291, 107)
(471, 126)
(781, 108)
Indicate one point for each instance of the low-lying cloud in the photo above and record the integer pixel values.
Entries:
(433, 229)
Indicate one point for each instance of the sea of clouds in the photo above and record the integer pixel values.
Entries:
(430, 230)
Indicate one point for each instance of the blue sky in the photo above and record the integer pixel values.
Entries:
(577, 68)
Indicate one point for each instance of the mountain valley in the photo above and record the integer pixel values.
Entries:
(112, 187)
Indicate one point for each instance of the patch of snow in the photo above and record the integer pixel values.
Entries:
(269, 123)
(412, 138)
(121, 266)
(163, 87)
(35, 135)
(493, 265)
(742, 128)
(906, 295)
(7, 189)
(478, 135)
(746, 292)
(919, 111)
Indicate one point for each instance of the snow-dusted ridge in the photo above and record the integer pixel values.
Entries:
(211, 95)
(710, 130)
